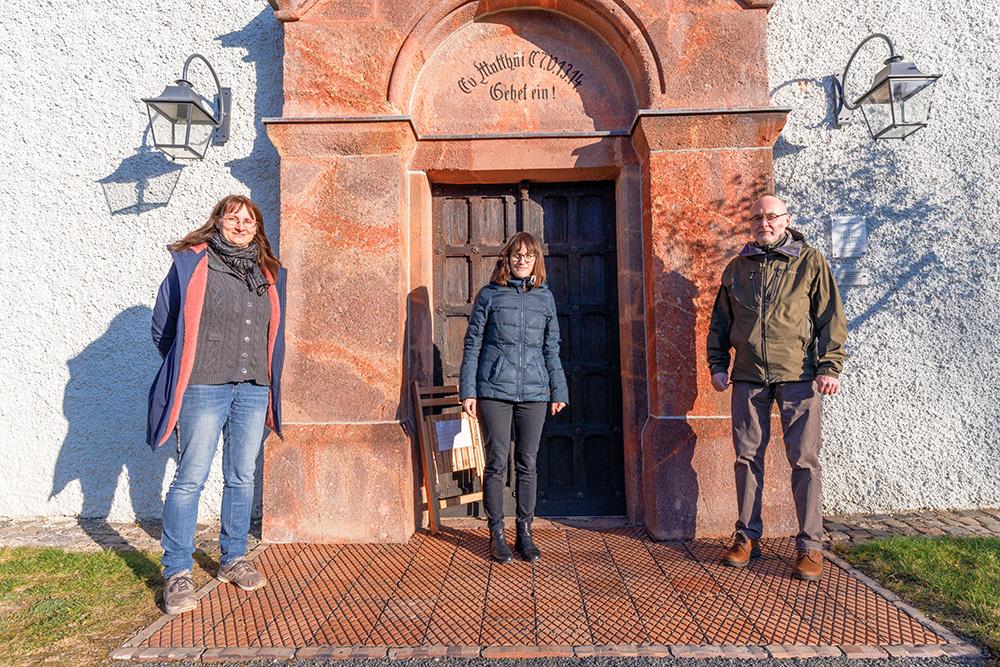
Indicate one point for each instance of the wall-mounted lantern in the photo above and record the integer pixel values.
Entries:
(898, 102)
(183, 122)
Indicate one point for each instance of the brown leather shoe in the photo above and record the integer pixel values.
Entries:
(809, 565)
(742, 550)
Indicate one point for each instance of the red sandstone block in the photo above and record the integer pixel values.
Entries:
(229, 654)
(527, 652)
(915, 651)
(168, 653)
(962, 650)
(783, 652)
(324, 652)
(608, 651)
(341, 652)
(696, 651)
(654, 651)
(276, 652)
(861, 651)
(744, 652)
(404, 652)
(123, 654)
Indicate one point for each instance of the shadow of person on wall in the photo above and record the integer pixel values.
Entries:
(105, 407)
(263, 41)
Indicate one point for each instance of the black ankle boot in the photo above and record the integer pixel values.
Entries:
(525, 545)
(498, 546)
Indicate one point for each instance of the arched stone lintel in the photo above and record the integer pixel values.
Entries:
(757, 4)
(288, 11)
(605, 17)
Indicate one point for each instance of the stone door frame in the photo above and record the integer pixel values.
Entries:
(683, 179)
(550, 159)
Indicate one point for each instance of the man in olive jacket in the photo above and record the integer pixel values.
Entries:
(779, 309)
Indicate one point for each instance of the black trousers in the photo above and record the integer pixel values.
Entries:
(495, 419)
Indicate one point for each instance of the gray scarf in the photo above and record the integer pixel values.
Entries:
(242, 262)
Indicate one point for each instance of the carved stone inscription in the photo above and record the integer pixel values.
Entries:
(512, 92)
(522, 71)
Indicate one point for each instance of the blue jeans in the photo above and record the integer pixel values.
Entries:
(237, 412)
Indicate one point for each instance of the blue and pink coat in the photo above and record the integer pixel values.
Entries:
(176, 318)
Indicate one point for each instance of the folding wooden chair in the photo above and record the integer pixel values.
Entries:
(436, 461)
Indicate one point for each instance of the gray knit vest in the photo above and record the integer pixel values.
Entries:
(232, 336)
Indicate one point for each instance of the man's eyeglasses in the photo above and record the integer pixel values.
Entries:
(770, 217)
(522, 258)
(231, 221)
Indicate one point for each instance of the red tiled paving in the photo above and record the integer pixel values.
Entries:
(592, 587)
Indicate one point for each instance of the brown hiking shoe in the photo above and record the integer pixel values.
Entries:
(742, 550)
(178, 593)
(809, 565)
(243, 574)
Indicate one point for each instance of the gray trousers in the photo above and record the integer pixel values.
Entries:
(800, 407)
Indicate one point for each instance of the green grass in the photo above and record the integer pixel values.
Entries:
(956, 580)
(71, 607)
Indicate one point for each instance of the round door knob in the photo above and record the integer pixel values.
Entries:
(578, 431)
(575, 308)
(438, 251)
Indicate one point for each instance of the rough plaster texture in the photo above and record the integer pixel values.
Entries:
(83, 252)
(918, 424)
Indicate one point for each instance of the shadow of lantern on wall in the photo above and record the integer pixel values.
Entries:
(897, 104)
(142, 182)
(183, 122)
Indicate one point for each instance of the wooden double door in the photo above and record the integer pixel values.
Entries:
(580, 462)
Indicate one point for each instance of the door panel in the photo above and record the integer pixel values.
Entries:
(580, 466)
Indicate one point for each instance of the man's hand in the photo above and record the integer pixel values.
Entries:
(469, 405)
(556, 407)
(720, 381)
(827, 385)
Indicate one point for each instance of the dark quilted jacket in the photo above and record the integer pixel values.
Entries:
(512, 346)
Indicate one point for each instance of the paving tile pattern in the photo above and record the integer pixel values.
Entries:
(610, 587)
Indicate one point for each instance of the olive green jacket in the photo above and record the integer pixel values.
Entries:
(794, 332)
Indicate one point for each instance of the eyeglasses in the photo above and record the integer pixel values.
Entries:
(231, 220)
(519, 257)
(770, 217)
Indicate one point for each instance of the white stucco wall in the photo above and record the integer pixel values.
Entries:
(83, 255)
(918, 424)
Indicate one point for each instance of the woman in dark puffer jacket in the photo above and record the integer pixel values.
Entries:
(511, 373)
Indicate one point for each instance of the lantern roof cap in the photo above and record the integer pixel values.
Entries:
(181, 92)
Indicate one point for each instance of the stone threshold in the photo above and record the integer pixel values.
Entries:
(786, 651)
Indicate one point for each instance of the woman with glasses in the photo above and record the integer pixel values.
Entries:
(218, 324)
(511, 375)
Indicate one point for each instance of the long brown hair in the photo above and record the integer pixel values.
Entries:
(268, 263)
(503, 270)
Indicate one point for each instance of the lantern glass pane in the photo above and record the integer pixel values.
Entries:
(179, 137)
(911, 107)
(877, 115)
(202, 115)
(167, 130)
(201, 135)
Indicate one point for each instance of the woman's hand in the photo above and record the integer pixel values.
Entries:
(556, 407)
(469, 405)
